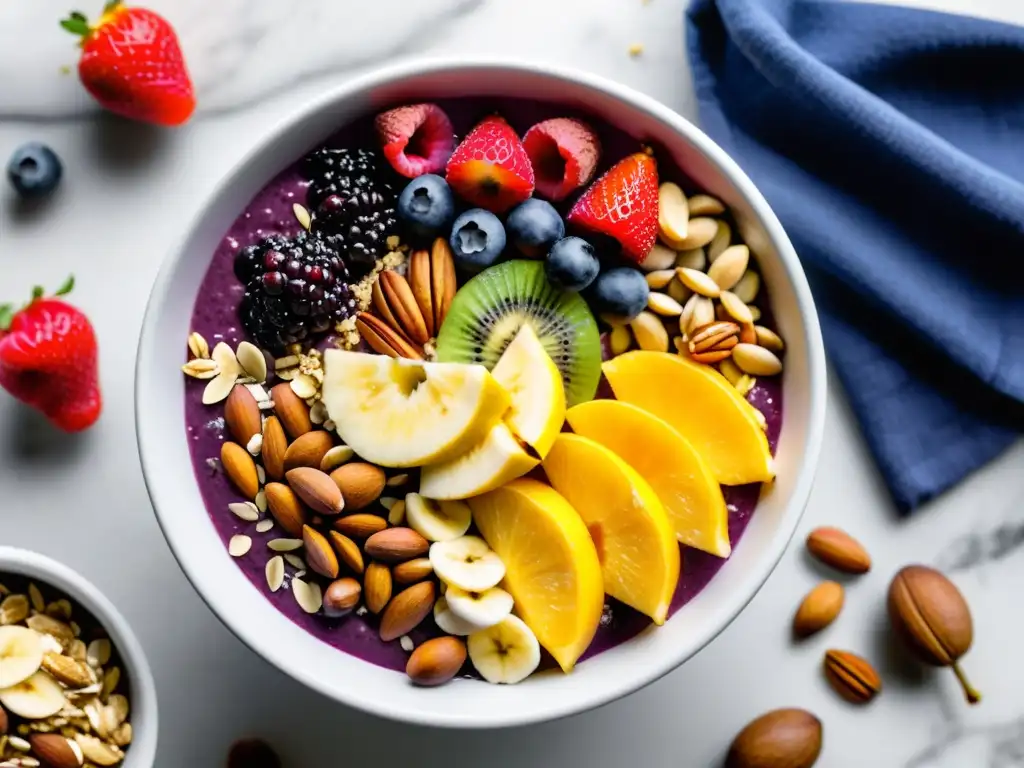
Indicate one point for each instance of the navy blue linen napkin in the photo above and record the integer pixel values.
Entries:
(890, 143)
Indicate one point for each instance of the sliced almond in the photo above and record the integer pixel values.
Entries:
(284, 545)
(769, 339)
(673, 212)
(264, 525)
(663, 304)
(307, 595)
(721, 241)
(98, 652)
(219, 388)
(225, 358)
(730, 266)
(649, 332)
(705, 205)
(198, 368)
(67, 671)
(197, 346)
(396, 515)
(678, 291)
(748, 286)
(620, 340)
(755, 360)
(95, 751)
(239, 545)
(275, 572)
(335, 457)
(660, 257)
(735, 308)
(245, 510)
(252, 361)
(700, 232)
(660, 278)
(305, 386)
(302, 215)
(698, 282)
(693, 258)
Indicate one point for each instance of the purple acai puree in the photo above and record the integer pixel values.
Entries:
(215, 316)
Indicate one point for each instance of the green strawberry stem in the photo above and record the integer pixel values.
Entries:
(7, 311)
(78, 24)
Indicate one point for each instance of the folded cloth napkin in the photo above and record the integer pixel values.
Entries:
(890, 143)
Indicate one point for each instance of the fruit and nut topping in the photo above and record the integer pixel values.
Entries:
(418, 336)
(64, 702)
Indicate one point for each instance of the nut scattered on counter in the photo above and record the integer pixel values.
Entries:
(838, 549)
(929, 613)
(851, 676)
(819, 608)
(782, 738)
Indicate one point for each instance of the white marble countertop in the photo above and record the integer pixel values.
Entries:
(128, 192)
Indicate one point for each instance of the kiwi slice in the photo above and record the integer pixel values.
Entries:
(489, 310)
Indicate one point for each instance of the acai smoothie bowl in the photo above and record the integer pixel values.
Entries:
(480, 394)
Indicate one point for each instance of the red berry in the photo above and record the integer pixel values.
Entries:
(48, 359)
(416, 139)
(564, 153)
(490, 168)
(624, 205)
(132, 65)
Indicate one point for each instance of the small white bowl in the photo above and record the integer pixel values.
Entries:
(46, 572)
(182, 514)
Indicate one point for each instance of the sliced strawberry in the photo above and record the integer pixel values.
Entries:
(624, 205)
(564, 153)
(48, 359)
(416, 139)
(490, 168)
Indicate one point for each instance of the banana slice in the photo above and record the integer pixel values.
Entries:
(437, 520)
(506, 653)
(448, 622)
(467, 562)
(21, 654)
(484, 609)
(35, 698)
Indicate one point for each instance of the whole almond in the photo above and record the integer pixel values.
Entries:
(240, 468)
(347, 550)
(852, 677)
(412, 571)
(360, 484)
(242, 415)
(360, 526)
(838, 549)
(819, 608)
(396, 545)
(291, 410)
(319, 554)
(286, 508)
(341, 597)
(54, 750)
(275, 446)
(316, 489)
(436, 661)
(308, 450)
(377, 587)
(406, 610)
(782, 738)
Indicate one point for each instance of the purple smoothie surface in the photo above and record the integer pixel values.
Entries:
(215, 316)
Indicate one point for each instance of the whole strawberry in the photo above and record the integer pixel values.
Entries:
(132, 64)
(48, 359)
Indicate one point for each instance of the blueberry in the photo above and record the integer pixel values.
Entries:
(34, 170)
(572, 264)
(477, 239)
(621, 293)
(534, 226)
(426, 206)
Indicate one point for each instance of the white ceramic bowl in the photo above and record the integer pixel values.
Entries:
(142, 693)
(610, 675)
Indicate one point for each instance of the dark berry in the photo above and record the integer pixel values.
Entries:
(477, 239)
(34, 170)
(534, 226)
(426, 206)
(572, 264)
(620, 293)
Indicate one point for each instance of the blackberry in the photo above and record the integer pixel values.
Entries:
(294, 289)
(352, 198)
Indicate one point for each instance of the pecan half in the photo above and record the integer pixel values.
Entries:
(432, 279)
(384, 339)
(394, 301)
(713, 342)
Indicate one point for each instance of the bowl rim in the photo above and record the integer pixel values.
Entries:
(689, 132)
(24, 562)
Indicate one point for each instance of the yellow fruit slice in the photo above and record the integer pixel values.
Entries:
(702, 406)
(405, 413)
(495, 461)
(679, 476)
(535, 387)
(551, 565)
(635, 543)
